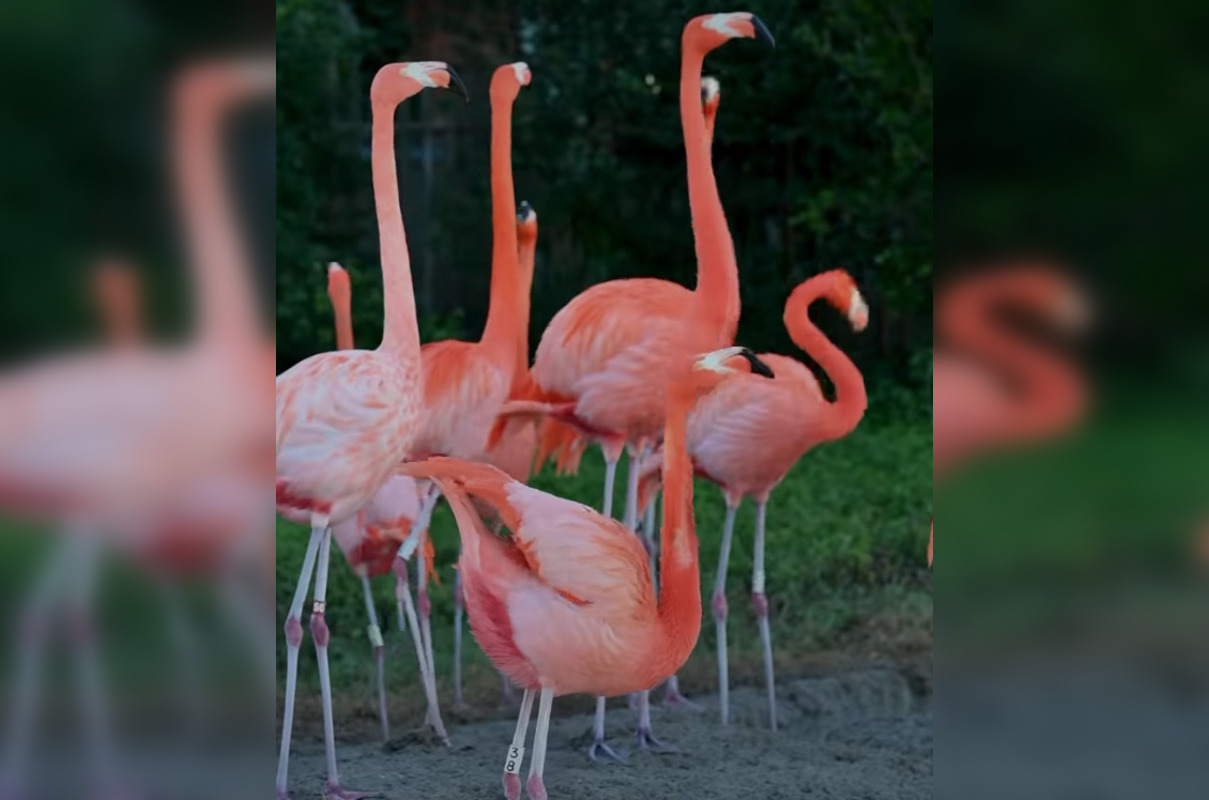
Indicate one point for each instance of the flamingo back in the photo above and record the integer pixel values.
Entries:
(463, 391)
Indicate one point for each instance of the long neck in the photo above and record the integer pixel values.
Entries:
(680, 593)
(1052, 392)
(344, 321)
(526, 257)
(839, 417)
(717, 292)
(227, 304)
(504, 320)
(400, 333)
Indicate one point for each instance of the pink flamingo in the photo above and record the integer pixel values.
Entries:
(370, 539)
(466, 383)
(746, 435)
(604, 362)
(566, 603)
(346, 419)
(973, 408)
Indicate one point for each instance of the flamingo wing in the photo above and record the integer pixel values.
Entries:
(463, 391)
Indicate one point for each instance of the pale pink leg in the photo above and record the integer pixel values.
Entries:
(720, 611)
(188, 651)
(760, 601)
(293, 638)
(536, 784)
(375, 641)
(458, 612)
(31, 655)
(403, 596)
(516, 752)
(508, 693)
(600, 750)
(321, 635)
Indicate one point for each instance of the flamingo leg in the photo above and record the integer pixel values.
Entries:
(760, 601)
(419, 530)
(649, 529)
(35, 625)
(508, 693)
(458, 612)
(536, 786)
(600, 750)
(184, 639)
(321, 636)
(403, 597)
(516, 753)
(375, 641)
(293, 638)
(720, 611)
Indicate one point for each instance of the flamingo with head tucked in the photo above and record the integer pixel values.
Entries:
(346, 419)
(605, 360)
(566, 604)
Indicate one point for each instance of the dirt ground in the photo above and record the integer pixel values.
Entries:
(857, 734)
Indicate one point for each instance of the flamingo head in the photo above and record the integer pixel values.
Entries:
(338, 285)
(395, 83)
(711, 94)
(711, 31)
(508, 80)
(526, 223)
(225, 80)
(710, 369)
(843, 294)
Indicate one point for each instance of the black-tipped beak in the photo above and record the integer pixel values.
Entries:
(758, 367)
(523, 211)
(762, 32)
(456, 84)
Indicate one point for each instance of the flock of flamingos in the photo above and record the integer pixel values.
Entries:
(569, 600)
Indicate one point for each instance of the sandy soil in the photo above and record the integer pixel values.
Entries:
(856, 735)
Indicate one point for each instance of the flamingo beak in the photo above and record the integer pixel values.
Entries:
(758, 367)
(456, 84)
(762, 32)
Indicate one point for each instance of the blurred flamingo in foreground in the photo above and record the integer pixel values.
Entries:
(566, 604)
(994, 387)
(370, 540)
(346, 419)
(605, 360)
(747, 434)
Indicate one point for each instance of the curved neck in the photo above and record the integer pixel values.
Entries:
(1051, 391)
(842, 416)
(680, 591)
(220, 264)
(504, 318)
(400, 333)
(717, 291)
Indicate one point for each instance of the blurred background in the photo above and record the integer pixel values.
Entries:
(823, 157)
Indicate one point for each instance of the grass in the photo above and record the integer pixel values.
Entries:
(846, 537)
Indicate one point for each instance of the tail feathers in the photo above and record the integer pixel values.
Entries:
(560, 442)
(481, 481)
(536, 410)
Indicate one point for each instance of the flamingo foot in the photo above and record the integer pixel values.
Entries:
(601, 753)
(647, 741)
(282, 793)
(512, 787)
(537, 787)
(672, 698)
(334, 792)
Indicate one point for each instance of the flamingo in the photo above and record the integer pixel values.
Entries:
(973, 408)
(371, 538)
(346, 419)
(746, 435)
(566, 603)
(603, 363)
(466, 383)
(514, 452)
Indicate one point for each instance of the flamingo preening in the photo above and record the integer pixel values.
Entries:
(604, 362)
(370, 539)
(346, 419)
(566, 603)
(466, 383)
(746, 435)
(994, 387)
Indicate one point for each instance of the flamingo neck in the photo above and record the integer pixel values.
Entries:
(717, 291)
(400, 333)
(680, 591)
(1051, 391)
(219, 262)
(344, 322)
(505, 318)
(842, 416)
(526, 258)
